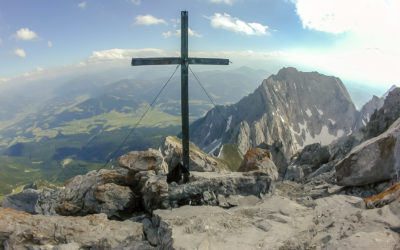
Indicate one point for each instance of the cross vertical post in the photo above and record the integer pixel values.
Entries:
(185, 88)
(184, 61)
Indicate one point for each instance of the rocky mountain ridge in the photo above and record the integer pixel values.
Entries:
(293, 108)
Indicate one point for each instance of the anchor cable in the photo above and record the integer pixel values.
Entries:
(208, 95)
(141, 118)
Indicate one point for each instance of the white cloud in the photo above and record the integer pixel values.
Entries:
(123, 54)
(25, 34)
(20, 52)
(148, 20)
(177, 33)
(221, 1)
(234, 24)
(49, 44)
(39, 69)
(82, 5)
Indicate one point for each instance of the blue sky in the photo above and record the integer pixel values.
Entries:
(356, 40)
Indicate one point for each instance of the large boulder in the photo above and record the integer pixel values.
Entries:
(375, 160)
(198, 160)
(259, 160)
(102, 191)
(136, 161)
(19, 230)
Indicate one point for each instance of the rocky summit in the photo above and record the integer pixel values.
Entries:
(293, 108)
(345, 195)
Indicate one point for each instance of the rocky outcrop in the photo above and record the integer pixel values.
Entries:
(198, 160)
(259, 160)
(103, 191)
(307, 161)
(24, 201)
(383, 118)
(19, 230)
(368, 109)
(136, 161)
(203, 188)
(375, 160)
(292, 107)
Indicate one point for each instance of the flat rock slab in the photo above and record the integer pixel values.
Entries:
(22, 230)
(204, 188)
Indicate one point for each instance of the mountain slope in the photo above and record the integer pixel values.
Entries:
(292, 107)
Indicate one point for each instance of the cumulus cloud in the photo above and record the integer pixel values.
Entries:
(338, 16)
(82, 5)
(25, 34)
(227, 22)
(221, 1)
(49, 44)
(39, 69)
(123, 54)
(20, 52)
(148, 20)
(177, 33)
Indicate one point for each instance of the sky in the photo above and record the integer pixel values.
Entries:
(356, 40)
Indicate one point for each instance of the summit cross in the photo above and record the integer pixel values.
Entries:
(184, 61)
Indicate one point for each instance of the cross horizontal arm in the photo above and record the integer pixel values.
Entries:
(210, 61)
(155, 61)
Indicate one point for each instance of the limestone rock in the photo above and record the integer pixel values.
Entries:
(383, 118)
(389, 195)
(259, 160)
(91, 193)
(203, 188)
(143, 160)
(21, 230)
(24, 201)
(198, 160)
(375, 160)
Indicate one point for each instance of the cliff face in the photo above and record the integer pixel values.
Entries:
(294, 108)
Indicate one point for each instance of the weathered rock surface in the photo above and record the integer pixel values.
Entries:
(103, 191)
(19, 230)
(144, 160)
(24, 201)
(276, 222)
(203, 188)
(307, 161)
(389, 195)
(375, 160)
(383, 118)
(259, 160)
(198, 160)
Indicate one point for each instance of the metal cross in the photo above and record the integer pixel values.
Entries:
(184, 61)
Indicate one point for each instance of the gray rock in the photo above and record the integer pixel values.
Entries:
(374, 160)
(21, 230)
(198, 160)
(294, 173)
(203, 188)
(259, 160)
(383, 118)
(24, 201)
(136, 161)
